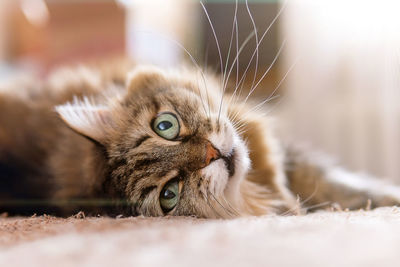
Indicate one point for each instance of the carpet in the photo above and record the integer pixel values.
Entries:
(340, 238)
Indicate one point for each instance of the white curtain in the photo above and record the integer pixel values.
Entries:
(344, 92)
(157, 30)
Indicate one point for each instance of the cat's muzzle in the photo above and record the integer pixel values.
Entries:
(213, 153)
(230, 162)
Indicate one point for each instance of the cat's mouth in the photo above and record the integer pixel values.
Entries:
(230, 162)
(226, 172)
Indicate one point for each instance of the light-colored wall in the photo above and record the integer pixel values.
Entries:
(344, 90)
(158, 31)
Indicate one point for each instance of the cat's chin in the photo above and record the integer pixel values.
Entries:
(241, 163)
(226, 174)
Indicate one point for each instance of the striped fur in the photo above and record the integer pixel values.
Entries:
(84, 141)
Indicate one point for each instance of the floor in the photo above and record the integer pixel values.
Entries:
(360, 238)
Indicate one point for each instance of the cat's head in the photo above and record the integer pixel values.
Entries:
(170, 147)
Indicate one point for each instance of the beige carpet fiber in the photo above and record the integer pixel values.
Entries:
(362, 238)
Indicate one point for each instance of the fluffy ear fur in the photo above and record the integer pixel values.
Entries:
(144, 76)
(87, 118)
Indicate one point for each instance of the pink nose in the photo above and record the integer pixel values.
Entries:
(211, 153)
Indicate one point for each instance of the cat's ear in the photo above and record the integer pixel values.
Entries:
(145, 77)
(92, 120)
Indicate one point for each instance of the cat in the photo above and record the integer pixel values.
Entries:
(140, 140)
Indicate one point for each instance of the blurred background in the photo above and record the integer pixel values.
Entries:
(335, 64)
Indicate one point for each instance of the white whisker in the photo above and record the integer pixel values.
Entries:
(218, 48)
(205, 61)
(229, 212)
(215, 36)
(237, 60)
(276, 88)
(237, 52)
(267, 71)
(262, 38)
(256, 37)
(225, 80)
(231, 40)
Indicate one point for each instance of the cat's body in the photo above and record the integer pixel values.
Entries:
(104, 142)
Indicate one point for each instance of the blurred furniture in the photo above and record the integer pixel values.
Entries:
(48, 33)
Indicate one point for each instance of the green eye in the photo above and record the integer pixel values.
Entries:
(167, 126)
(169, 196)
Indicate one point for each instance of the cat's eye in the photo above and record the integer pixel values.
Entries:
(167, 126)
(169, 196)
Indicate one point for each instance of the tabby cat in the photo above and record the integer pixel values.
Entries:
(154, 142)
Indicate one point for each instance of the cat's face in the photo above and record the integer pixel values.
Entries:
(170, 150)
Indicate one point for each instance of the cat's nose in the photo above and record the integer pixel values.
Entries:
(212, 153)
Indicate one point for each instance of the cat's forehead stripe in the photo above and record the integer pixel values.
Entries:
(145, 192)
(155, 104)
(140, 141)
